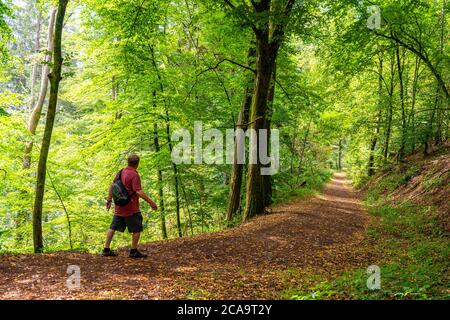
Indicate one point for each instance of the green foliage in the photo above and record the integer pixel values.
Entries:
(5, 31)
(132, 64)
(298, 187)
(379, 191)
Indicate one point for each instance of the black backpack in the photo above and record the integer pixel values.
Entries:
(120, 194)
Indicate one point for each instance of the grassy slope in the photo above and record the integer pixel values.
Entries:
(408, 238)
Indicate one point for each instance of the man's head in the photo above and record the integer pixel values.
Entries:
(133, 160)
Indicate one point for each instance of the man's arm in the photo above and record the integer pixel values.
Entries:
(109, 200)
(110, 195)
(144, 196)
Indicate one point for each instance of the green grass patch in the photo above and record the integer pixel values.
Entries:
(376, 195)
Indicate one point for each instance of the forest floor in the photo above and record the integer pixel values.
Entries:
(258, 259)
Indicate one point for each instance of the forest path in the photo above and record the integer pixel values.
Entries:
(254, 260)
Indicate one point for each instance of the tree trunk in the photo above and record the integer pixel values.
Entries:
(389, 114)
(401, 152)
(37, 109)
(267, 179)
(169, 143)
(374, 141)
(22, 215)
(373, 145)
(234, 201)
(175, 176)
(269, 35)
(37, 47)
(304, 142)
(55, 78)
(340, 155)
(201, 194)
(267, 53)
(429, 131)
(160, 183)
(388, 132)
(439, 117)
(189, 216)
(412, 124)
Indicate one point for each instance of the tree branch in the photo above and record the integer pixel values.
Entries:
(422, 55)
(226, 60)
(64, 208)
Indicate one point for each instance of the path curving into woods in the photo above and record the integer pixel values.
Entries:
(255, 260)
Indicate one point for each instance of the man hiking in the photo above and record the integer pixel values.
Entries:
(126, 190)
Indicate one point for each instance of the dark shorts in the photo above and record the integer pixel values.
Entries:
(133, 223)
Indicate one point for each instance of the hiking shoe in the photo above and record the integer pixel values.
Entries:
(109, 253)
(136, 254)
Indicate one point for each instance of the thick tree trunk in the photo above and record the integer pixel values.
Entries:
(269, 34)
(234, 201)
(55, 78)
(37, 109)
(267, 53)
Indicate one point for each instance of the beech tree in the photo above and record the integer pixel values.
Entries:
(269, 34)
(37, 107)
(55, 78)
(341, 95)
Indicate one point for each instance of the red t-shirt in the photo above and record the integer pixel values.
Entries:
(132, 182)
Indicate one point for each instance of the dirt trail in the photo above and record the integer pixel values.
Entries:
(251, 261)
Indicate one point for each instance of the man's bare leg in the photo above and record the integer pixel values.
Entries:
(135, 240)
(109, 237)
